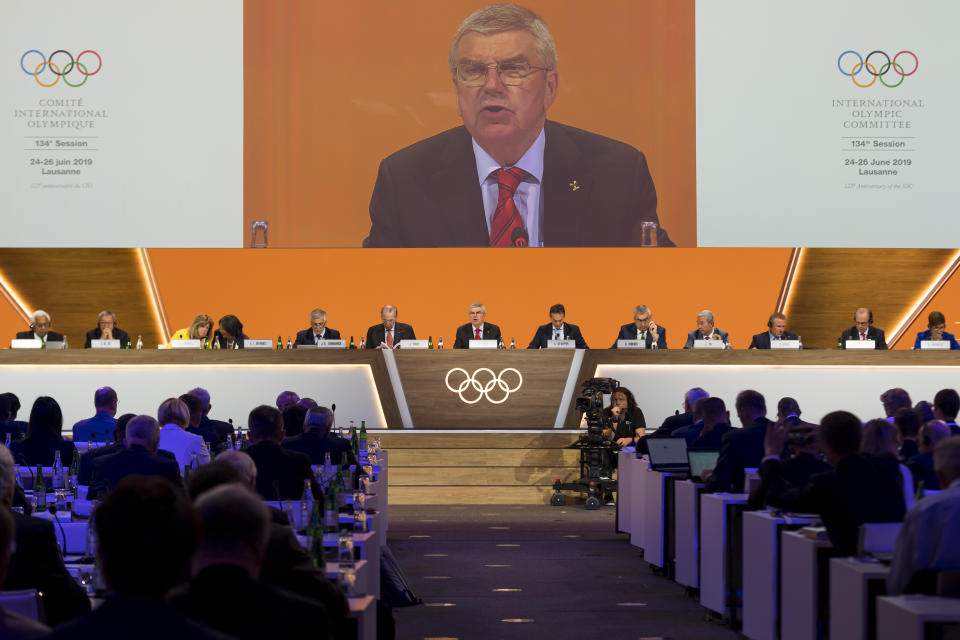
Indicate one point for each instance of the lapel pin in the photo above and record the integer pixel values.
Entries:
(574, 186)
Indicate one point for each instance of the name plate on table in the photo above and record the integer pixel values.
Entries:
(561, 344)
(784, 344)
(924, 344)
(631, 344)
(708, 344)
(25, 343)
(483, 344)
(104, 344)
(258, 344)
(412, 344)
(861, 344)
(185, 344)
(332, 344)
(56, 344)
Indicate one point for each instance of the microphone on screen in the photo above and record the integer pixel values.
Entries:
(519, 237)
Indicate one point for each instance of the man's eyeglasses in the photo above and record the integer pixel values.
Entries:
(512, 73)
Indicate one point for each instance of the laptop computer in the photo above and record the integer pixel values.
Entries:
(668, 454)
(702, 459)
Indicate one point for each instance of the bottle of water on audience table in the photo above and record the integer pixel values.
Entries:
(440, 343)
(327, 469)
(331, 512)
(363, 438)
(57, 471)
(74, 473)
(39, 488)
(306, 503)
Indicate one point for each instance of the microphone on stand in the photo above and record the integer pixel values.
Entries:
(53, 511)
(519, 237)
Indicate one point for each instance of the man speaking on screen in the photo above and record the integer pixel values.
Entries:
(509, 177)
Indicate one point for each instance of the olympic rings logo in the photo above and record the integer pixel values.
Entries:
(60, 70)
(864, 64)
(476, 383)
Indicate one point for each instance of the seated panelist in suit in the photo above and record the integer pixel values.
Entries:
(40, 329)
(476, 329)
(863, 329)
(138, 457)
(318, 330)
(936, 324)
(389, 332)
(557, 329)
(107, 329)
(706, 331)
(229, 333)
(509, 177)
(643, 328)
(777, 325)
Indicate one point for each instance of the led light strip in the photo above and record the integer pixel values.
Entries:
(159, 311)
(925, 298)
(793, 268)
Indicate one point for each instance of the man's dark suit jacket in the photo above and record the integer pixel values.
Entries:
(377, 334)
(596, 192)
(37, 564)
(629, 332)
(317, 445)
(223, 429)
(118, 334)
(669, 426)
(873, 333)
(695, 335)
(135, 460)
(908, 449)
(226, 598)
(740, 449)
(288, 469)
(306, 336)
(545, 333)
(861, 489)
(52, 336)
(85, 470)
(122, 617)
(465, 334)
(697, 440)
(921, 466)
(796, 472)
(762, 340)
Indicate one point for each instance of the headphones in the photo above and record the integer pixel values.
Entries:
(869, 319)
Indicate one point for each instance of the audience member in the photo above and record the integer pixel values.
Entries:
(625, 417)
(286, 399)
(307, 403)
(224, 430)
(280, 472)
(16, 428)
(879, 438)
(946, 405)
(741, 448)
(195, 409)
(677, 421)
(174, 416)
(859, 489)
(803, 460)
(293, 417)
(138, 458)
(146, 533)
(13, 626)
(714, 425)
(927, 540)
(924, 411)
(892, 400)
(85, 469)
(99, 428)
(907, 422)
(317, 440)
(225, 590)
(36, 562)
(922, 464)
(43, 437)
(788, 413)
(692, 432)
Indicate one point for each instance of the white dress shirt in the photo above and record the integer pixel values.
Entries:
(183, 445)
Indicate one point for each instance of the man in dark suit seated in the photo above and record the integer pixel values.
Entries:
(14, 626)
(859, 489)
(777, 330)
(557, 329)
(677, 421)
(138, 458)
(863, 329)
(224, 430)
(643, 328)
(17, 428)
(280, 472)
(706, 331)
(107, 329)
(146, 534)
(6, 424)
(40, 329)
(85, 468)
(476, 329)
(541, 183)
(921, 465)
(316, 440)
(36, 562)
(100, 427)
(389, 332)
(318, 330)
(209, 434)
(741, 448)
(708, 432)
(946, 405)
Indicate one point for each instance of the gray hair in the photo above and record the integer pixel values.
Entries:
(946, 458)
(7, 474)
(234, 520)
(40, 312)
(142, 430)
(242, 462)
(387, 308)
(641, 308)
(691, 396)
(104, 313)
(318, 313)
(318, 419)
(477, 305)
(204, 396)
(497, 18)
(706, 315)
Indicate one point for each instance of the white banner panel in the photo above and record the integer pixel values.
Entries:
(234, 389)
(121, 123)
(826, 124)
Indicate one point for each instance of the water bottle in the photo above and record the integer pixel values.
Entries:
(429, 342)
(306, 503)
(39, 489)
(440, 343)
(57, 471)
(363, 343)
(279, 344)
(139, 343)
(513, 343)
(289, 343)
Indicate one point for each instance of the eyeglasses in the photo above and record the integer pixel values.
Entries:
(512, 73)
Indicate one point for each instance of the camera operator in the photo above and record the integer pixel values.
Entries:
(624, 417)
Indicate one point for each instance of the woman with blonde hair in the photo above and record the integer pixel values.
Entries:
(200, 329)
(174, 417)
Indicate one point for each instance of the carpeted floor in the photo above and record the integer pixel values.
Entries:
(533, 572)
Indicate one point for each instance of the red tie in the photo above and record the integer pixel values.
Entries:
(506, 219)
(863, 336)
(389, 339)
(476, 333)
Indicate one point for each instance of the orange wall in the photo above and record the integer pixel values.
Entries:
(331, 88)
(946, 301)
(273, 291)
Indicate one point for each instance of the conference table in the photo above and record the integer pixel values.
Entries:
(470, 389)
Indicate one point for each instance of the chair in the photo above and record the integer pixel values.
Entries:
(26, 602)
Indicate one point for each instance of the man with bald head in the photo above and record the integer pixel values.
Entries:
(863, 329)
(316, 440)
(99, 428)
(139, 457)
